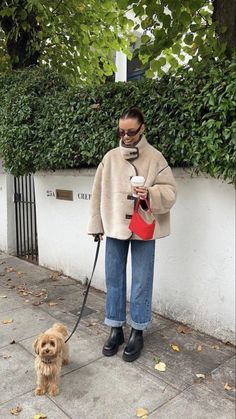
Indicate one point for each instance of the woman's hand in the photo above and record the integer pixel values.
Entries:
(98, 236)
(141, 191)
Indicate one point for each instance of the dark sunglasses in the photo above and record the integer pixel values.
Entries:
(129, 133)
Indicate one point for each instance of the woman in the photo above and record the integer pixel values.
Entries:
(112, 206)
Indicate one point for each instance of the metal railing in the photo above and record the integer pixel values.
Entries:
(25, 215)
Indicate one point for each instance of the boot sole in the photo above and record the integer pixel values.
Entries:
(131, 358)
(112, 352)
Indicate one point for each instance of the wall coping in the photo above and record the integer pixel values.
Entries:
(179, 173)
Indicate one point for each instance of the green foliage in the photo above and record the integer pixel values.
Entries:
(177, 30)
(77, 38)
(190, 118)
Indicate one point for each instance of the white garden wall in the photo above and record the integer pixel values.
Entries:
(194, 275)
(7, 212)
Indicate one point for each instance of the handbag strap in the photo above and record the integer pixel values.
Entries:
(138, 203)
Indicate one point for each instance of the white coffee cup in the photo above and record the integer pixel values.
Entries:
(136, 181)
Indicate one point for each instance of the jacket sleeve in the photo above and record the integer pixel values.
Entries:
(162, 195)
(95, 221)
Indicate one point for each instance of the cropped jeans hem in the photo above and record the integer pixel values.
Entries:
(138, 326)
(114, 323)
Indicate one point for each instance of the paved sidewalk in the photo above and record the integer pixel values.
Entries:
(93, 386)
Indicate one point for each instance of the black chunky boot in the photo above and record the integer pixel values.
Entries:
(134, 346)
(115, 339)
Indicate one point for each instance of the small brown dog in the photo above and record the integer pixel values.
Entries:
(52, 352)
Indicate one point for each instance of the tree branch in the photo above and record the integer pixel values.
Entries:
(203, 17)
(58, 4)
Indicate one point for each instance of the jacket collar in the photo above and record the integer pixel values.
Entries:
(133, 151)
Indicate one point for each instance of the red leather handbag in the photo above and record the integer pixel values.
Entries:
(139, 226)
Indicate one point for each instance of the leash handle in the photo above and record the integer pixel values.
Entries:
(87, 290)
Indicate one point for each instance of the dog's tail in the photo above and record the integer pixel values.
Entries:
(61, 328)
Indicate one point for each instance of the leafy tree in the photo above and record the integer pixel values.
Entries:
(174, 29)
(79, 38)
(76, 37)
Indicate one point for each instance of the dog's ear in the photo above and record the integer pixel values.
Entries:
(35, 345)
(61, 328)
(60, 344)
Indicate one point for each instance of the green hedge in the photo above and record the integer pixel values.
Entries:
(190, 118)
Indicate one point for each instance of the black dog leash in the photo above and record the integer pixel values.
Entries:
(96, 239)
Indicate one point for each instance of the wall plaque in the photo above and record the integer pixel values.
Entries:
(63, 194)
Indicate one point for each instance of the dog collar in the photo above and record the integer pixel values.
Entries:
(47, 361)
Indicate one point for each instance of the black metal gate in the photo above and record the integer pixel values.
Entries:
(25, 213)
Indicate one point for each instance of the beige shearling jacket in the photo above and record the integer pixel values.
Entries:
(112, 203)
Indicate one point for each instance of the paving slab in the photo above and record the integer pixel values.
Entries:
(4, 257)
(109, 388)
(17, 368)
(32, 405)
(26, 268)
(182, 366)
(196, 403)
(26, 322)
(8, 300)
(224, 374)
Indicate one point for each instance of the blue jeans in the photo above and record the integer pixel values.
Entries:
(142, 256)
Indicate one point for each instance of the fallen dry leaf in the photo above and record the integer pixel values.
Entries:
(175, 347)
(91, 324)
(199, 348)
(200, 376)
(216, 347)
(6, 356)
(184, 329)
(52, 304)
(227, 387)
(141, 413)
(3, 296)
(161, 366)
(7, 321)
(16, 410)
(37, 303)
(54, 276)
(40, 416)
(9, 269)
(39, 294)
(24, 291)
(19, 273)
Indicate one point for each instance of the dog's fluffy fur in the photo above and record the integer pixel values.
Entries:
(52, 352)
